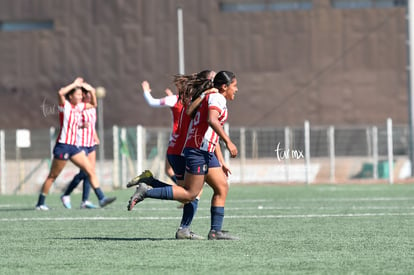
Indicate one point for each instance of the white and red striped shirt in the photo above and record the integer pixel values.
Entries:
(69, 118)
(86, 133)
(200, 134)
(179, 134)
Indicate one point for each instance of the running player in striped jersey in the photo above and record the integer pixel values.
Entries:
(174, 152)
(66, 148)
(87, 140)
(200, 162)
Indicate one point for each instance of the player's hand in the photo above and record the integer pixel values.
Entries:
(145, 86)
(88, 87)
(226, 169)
(78, 81)
(232, 149)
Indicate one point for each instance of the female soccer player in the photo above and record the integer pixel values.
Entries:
(70, 109)
(174, 153)
(175, 103)
(203, 134)
(87, 140)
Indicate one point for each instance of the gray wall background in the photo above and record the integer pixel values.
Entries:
(325, 65)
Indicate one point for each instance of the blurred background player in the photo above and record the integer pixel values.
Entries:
(87, 140)
(66, 148)
(172, 101)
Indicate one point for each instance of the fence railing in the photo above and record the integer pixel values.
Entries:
(308, 154)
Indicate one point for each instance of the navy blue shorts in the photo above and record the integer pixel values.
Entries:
(177, 163)
(65, 151)
(88, 150)
(198, 161)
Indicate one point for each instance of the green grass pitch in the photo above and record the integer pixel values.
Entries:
(316, 229)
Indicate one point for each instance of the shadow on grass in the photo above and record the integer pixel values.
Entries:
(117, 239)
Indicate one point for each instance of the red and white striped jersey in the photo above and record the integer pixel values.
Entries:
(176, 111)
(69, 118)
(200, 134)
(179, 135)
(86, 133)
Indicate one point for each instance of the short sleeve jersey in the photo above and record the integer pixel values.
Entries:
(86, 135)
(176, 113)
(178, 136)
(69, 118)
(200, 134)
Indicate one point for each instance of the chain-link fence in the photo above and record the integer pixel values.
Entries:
(266, 155)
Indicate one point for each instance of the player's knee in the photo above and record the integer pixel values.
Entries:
(52, 176)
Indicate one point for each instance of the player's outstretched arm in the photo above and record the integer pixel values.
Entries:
(168, 101)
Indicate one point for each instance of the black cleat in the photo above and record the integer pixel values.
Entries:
(187, 234)
(145, 176)
(221, 235)
(105, 201)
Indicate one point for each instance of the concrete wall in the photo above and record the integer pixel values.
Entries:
(326, 65)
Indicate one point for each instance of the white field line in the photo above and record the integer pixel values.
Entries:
(297, 216)
(247, 201)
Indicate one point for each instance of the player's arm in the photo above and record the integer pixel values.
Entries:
(213, 121)
(168, 101)
(194, 105)
(220, 158)
(65, 90)
(96, 138)
(93, 103)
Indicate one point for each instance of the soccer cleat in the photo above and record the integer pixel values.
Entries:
(66, 201)
(138, 196)
(145, 176)
(221, 235)
(187, 234)
(42, 207)
(88, 205)
(105, 201)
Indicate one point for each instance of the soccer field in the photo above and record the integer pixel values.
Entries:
(317, 229)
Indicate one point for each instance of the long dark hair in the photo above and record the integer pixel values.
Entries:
(189, 86)
(223, 78)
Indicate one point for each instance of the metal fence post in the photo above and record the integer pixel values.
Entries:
(2, 163)
(242, 153)
(375, 151)
(307, 151)
(390, 152)
(287, 148)
(115, 174)
(331, 142)
(124, 164)
(140, 148)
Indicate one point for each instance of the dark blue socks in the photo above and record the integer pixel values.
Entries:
(189, 211)
(217, 217)
(75, 182)
(86, 189)
(41, 200)
(163, 193)
(99, 193)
